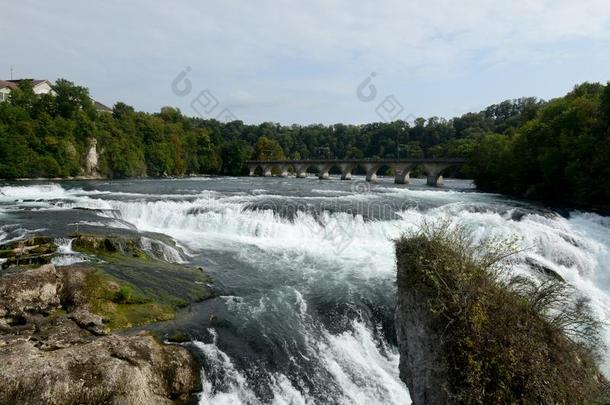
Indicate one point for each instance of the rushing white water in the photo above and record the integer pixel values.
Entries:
(312, 246)
(10, 233)
(66, 256)
(364, 372)
(161, 250)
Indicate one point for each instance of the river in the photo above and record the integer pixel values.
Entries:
(304, 268)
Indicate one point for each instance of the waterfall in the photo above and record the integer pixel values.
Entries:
(309, 271)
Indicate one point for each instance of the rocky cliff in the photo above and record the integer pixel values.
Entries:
(92, 159)
(467, 337)
(54, 350)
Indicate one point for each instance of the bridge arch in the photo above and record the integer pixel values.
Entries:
(401, 168)
(263, 169)
(434, 172)
(402, 173)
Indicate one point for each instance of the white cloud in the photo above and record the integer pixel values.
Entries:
(266, 53)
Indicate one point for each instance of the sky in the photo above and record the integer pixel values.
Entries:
(305, 62)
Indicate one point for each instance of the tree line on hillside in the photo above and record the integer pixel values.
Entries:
(561, 154)
(557, 150)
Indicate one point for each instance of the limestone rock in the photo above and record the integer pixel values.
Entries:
(422, 363)
(112, 369)
(92, 159)
(54, 351)
(28, 292)
(33, 250)
(91, 322)
(465, 337)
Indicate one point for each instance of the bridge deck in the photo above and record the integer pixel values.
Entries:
(358, 161)
(434, 167)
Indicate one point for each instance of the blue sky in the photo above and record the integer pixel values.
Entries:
(302, 61)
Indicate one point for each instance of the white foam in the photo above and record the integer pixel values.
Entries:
(161, 250)
(235, 390)
(363, 371)
(43, 191)
(575, 248)
(325, 191)
(365, 375)
(65, 255)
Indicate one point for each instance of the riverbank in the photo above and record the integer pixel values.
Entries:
(65, 330)
(84, 178)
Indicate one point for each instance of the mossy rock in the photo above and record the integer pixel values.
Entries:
(137, 287)
(175, 284)
(108, 245)
(35, 250)
(122, 305)
(466, 337)
(179, 336)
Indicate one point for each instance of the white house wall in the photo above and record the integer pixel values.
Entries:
(42, 88)
(4, 94)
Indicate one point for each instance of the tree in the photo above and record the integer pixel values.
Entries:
(234, 155)
(604, 111)
(23, 96)
(70, 98)
(268, 149)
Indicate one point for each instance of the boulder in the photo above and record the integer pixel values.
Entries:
(53, 350)
(112, 369)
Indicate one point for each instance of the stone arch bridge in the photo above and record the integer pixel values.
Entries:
(434, 168)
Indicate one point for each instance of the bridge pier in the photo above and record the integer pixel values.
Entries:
(283, 170)
(252, 169)
(301, 171)
(371, 171)
(434, 173)
(323, 172)
(346, 171)
(267, 170)
(434, 180)
(402, 174)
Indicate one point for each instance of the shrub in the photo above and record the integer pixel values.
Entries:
(124, 294)
(505, 339)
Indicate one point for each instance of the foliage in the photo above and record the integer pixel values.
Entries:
(268, 149)
(49, 136)
(557, 150)
(505, 339)
(561, 154)
(124, 294)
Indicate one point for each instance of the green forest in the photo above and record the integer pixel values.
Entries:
(557, 150)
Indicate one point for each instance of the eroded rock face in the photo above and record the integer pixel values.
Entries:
(92, 159)
(422, 364)
(465, 338)
(26, 293)
(31, 251)
(112, 369)
(54, 351)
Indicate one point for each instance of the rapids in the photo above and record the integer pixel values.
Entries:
(305, 268)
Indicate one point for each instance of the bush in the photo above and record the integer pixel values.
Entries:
(124, 294)
(505, 339)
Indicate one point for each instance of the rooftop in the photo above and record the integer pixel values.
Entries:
(13, 83)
